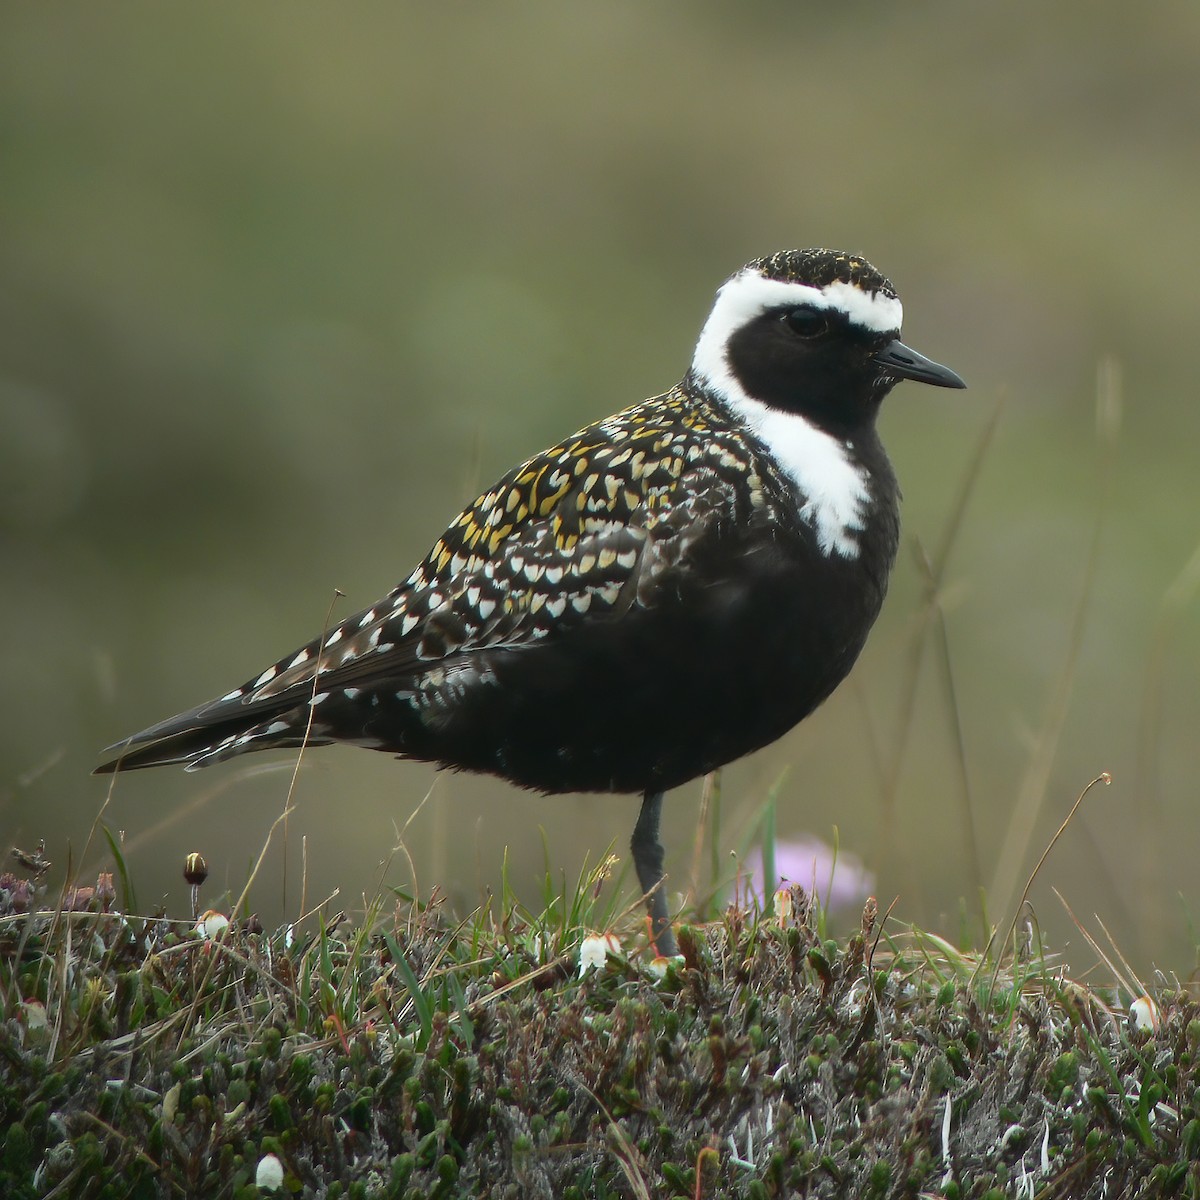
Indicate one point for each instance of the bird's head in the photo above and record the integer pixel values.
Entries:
(814, 332)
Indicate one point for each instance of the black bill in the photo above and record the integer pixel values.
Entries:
(904, 363)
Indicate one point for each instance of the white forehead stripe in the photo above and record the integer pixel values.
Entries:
(748, 295)
(832, 488)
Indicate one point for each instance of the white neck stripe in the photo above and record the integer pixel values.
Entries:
(832, 488)
(748, 295)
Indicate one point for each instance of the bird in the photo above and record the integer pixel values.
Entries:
(659, 594)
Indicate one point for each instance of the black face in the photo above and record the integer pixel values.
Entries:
(814, 361)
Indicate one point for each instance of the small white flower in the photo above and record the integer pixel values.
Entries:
(659, 966)
(34, 1012)
(212, 924)
(594, 951)
(269, 1176)
(1143, 1012)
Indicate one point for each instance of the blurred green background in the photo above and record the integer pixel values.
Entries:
(282, 286)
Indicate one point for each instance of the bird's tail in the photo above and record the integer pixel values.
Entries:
(283, 707)
(200, 737)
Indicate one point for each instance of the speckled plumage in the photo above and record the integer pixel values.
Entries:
(819, 267)
(664, 591)
(589, 534)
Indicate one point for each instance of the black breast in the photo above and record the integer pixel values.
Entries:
(752, 632)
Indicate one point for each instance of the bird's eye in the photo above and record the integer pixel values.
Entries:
(806, 322)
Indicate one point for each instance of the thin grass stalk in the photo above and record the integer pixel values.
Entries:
(1034, 787)
(893, 769)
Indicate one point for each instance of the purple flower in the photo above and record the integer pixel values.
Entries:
(839, 883)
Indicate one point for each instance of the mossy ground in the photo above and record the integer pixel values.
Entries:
(408, 1056)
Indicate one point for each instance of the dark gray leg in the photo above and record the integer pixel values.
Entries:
(648, 859)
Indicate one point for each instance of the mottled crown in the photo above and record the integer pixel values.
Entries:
(818, 267)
